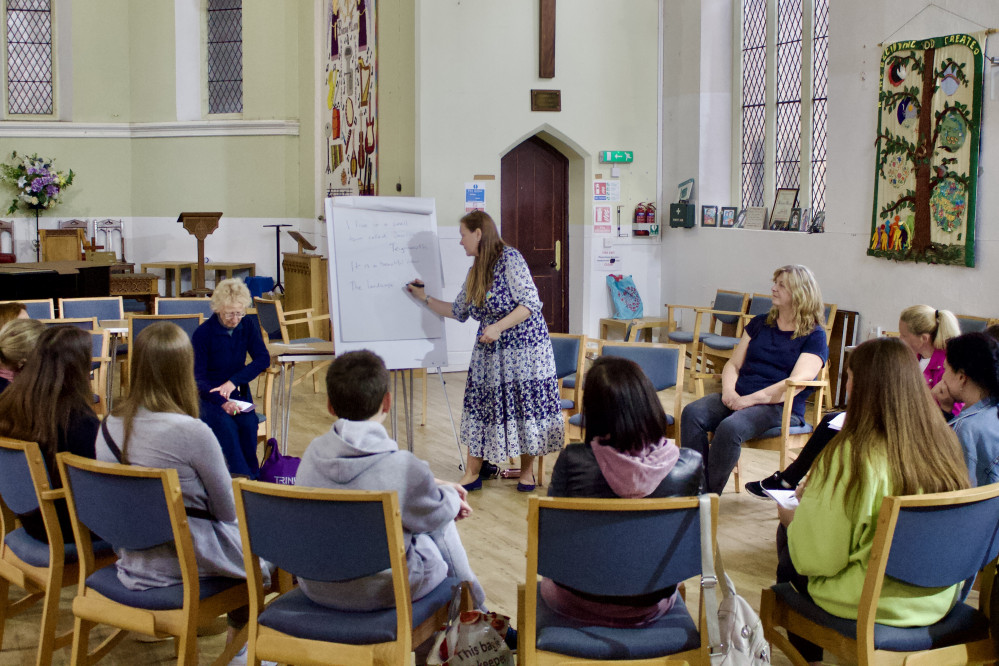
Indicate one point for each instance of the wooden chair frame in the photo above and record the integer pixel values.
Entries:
(39, 583)
(775, 613)
(693, 348)
(527, 605)
(73, 321)
(63, 244)
(48, 301)
(267, 643)
(704, 355)
(99, 376)
(828, 326)
(122, 358)
(91, 608)
(130, 318)
(672, 309)
(308, 317)
(575, 394)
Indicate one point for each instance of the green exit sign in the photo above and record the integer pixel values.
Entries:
(617, 156)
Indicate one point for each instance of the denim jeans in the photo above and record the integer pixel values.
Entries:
(730, 428)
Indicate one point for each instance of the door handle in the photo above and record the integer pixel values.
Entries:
(557, 264)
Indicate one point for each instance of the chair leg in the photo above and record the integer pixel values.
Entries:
(81, 641)
(50, 617)
(735, 474)
(4, 602)
(540, 478)
(187, 648)
(425, 373)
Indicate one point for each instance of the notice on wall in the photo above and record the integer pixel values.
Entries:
(475, 197)
(608, 259)
(606, 190)
(601, 219)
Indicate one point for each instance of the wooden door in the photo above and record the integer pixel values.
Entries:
(534, 219)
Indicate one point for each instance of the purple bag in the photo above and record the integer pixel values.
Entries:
(278, 468)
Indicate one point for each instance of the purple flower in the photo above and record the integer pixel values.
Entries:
(51, 190)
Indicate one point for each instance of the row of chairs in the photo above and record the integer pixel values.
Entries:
(596, 546)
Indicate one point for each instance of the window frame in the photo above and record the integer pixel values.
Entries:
(806, 131)
(205, 109)
(5, 113)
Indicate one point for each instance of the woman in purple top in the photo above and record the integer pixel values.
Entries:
(511, 405)
(787, 343)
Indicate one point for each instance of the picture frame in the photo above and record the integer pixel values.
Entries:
(794, 222)
(784, 201)
(740, 219)
(685, 190)
(805, 219)
(728, 215)
(756, 217)
(709, 216)
(818, 224)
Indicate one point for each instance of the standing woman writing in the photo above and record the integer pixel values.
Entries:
(511, 405)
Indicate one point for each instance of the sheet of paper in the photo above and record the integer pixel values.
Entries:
(786, 498)
(243, 405)
(837, 423)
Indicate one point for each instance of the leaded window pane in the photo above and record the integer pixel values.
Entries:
(29, 58)
(225, 56)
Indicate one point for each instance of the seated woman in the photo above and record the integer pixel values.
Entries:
(157, 425)
(971, 376)
(787, 343)
(925, 331)
(18, 339)
(625, 454)
(892, 443)
(50, 402)
(223, 375)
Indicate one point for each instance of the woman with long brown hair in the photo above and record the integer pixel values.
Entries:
(50, 402)
(511, 405)
(893, 442)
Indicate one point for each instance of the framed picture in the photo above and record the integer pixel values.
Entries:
(805, 218)
(818, 223)
(756, 217)
(784, 202)
(728, 214)
(794, 224)
(740, 219)
(686, 190)
(709, 216)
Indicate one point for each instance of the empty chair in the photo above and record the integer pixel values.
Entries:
(717, 349)
(182, 305)
(972, 324)
(570, 354)
(109, 307)
(39, 308)
(278, 524)
(725, 321)
(85, 323)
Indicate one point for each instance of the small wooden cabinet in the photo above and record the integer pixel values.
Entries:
(306, 285)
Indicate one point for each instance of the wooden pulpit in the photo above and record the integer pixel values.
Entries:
(200, 225)
(307, 286)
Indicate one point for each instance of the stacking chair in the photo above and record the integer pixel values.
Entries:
(611, 547)
(786, 437)
(137, 323)
(715, 350)
(278, 523)
(100, 362)
(570, 356)
(183, 305)
(103, 308)
(137, 508)
(38, 308)
(972, 324)
(40, 569)
(85, 323)
(274, 323)
(724, 318)
(929, 541)
(829, 313)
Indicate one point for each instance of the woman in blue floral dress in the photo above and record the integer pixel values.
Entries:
(511, 405)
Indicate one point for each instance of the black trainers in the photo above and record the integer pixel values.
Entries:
(773, 482)
(489, 471)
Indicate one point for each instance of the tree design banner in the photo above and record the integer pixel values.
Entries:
(926, 161)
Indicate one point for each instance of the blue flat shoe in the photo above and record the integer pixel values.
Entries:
(525, 487)
(474, 485)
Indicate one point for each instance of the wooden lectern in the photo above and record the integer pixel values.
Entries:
(200, 225)
(307, 286)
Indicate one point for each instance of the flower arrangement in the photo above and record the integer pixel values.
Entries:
(39, 185)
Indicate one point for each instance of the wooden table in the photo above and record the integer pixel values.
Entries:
(141, 286)
(229, 268)
(172, 273)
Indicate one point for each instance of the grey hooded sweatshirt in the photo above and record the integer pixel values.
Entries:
(360, 455)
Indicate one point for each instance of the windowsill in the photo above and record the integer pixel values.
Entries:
(193, 128)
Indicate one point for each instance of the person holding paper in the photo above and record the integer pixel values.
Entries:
(892, 443)
(223, 375)
(511, 405)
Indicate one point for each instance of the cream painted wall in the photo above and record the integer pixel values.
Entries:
(699, 261)
(100, 62)
(476, 64)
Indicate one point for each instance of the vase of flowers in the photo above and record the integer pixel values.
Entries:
(39, 186)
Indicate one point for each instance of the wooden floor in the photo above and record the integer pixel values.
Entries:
(494, 535)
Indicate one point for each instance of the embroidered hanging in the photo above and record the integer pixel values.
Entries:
(926, 157)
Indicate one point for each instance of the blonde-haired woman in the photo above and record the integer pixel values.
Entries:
(157, 426)
(787, 343)
(18, 338)
(925, 331)
(511, 405)
(223, 375)
(892, 443)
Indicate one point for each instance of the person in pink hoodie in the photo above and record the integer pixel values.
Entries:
(624, 453)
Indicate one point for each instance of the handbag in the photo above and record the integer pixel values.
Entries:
(624, 294)
(471, 638)
(277, 467)
(735, 633)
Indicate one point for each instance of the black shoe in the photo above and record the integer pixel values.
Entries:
(511, 638)
(489, 470)
(773, 482)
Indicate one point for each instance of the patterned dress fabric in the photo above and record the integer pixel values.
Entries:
(511, 397)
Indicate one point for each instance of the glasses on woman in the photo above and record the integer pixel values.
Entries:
(233, 314)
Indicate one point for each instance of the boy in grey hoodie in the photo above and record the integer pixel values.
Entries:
(358, 454)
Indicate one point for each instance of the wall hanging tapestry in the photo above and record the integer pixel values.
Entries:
(926, 168)
(349, 123)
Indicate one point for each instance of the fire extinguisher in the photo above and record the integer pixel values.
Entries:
(650, 218)
(640, 227)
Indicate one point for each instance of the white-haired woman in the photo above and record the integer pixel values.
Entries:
(223, 375)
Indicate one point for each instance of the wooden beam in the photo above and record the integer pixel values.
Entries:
(546, 50)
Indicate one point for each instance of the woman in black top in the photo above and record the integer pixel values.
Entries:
(49, 402)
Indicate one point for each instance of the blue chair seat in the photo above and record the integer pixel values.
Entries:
(36, 553)
(681, 337)
(720, 342)
(674, 632)
(261, 417)
(803, 429)
(566, 403)
(963, 624)
(569, 381)
(303, 341)
(105, 581)
(577, 420)
(295, 614)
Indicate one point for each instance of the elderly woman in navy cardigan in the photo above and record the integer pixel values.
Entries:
(223, 375)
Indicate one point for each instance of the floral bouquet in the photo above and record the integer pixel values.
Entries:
(39, 186)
